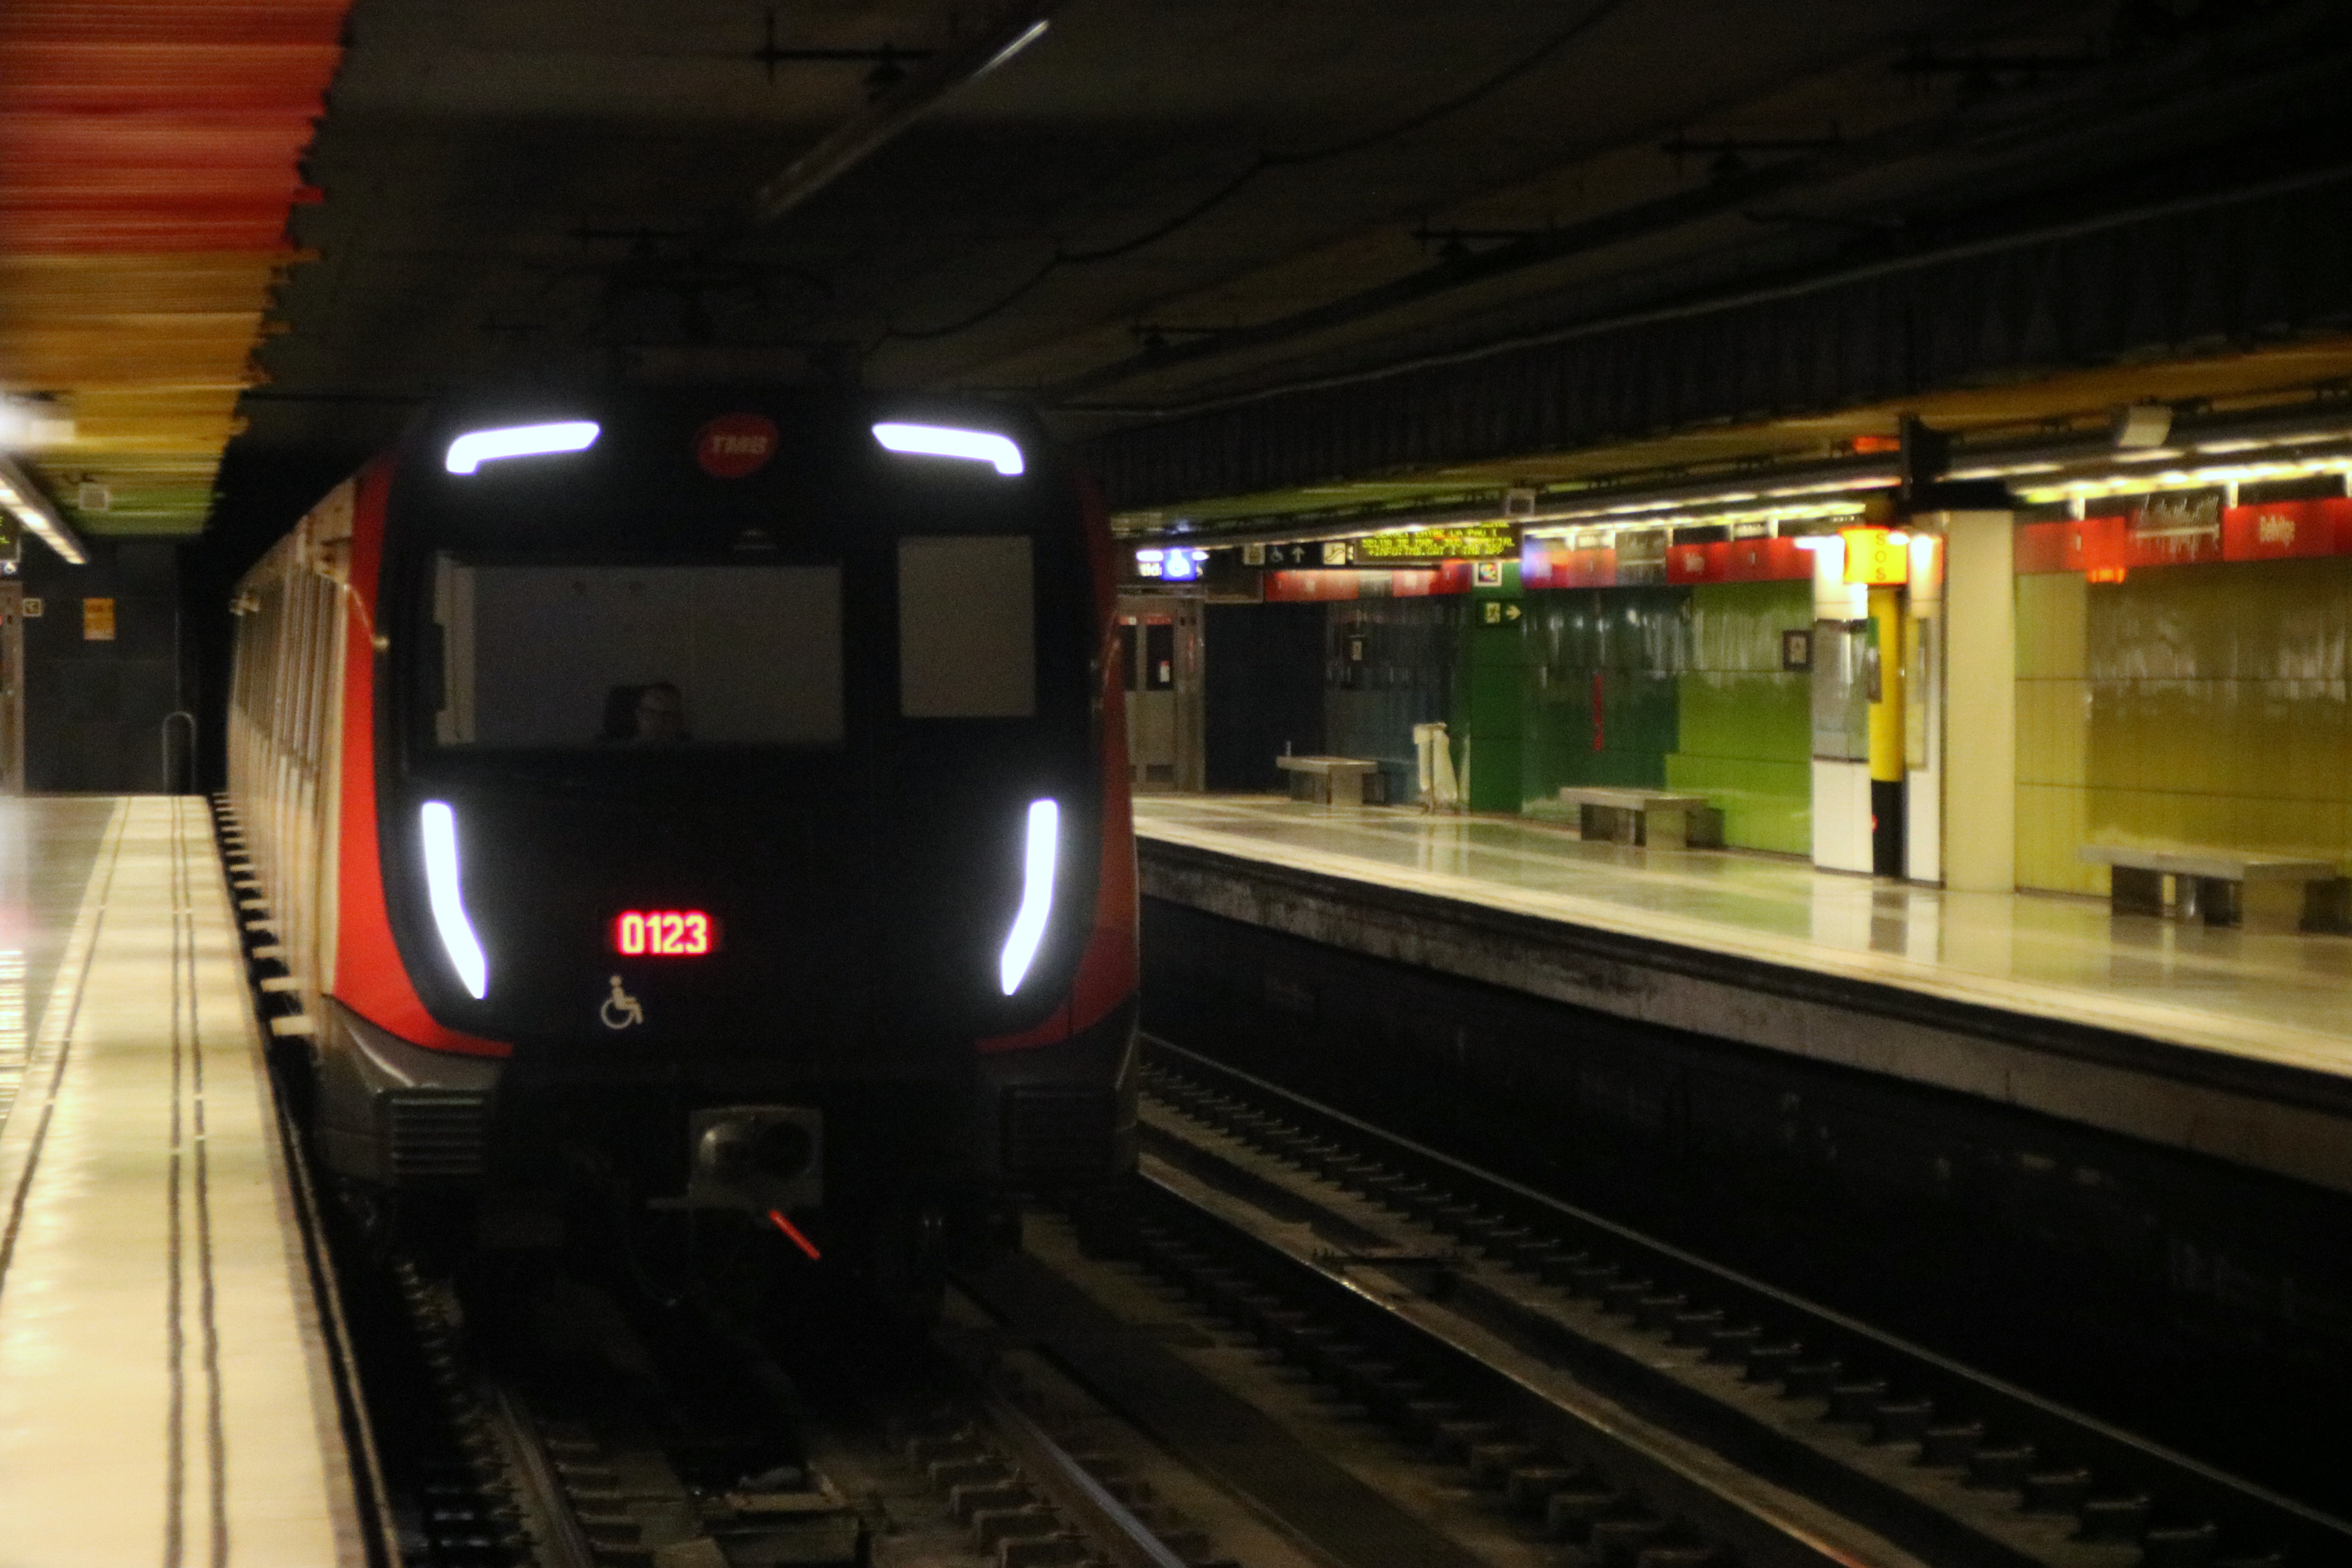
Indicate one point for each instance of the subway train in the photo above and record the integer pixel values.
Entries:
(683, 802)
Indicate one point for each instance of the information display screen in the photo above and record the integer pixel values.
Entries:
(665, 933)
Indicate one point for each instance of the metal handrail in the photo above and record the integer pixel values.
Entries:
(166, 738)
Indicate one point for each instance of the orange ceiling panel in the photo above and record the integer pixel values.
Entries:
(149, 152)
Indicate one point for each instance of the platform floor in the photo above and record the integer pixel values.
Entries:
(165, 1394)
(2283, 999)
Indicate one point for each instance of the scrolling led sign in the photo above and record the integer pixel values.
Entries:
(665, 933)
(1464, 542)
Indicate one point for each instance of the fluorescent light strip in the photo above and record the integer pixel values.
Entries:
(457, 939)
(1798, 514)
(1030, 34)
(2187, 478)
(19, 496)
(471, 450)
(1037, 861)
(946, 441)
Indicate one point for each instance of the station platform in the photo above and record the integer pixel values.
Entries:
(2219, 1041)
(166, 1392)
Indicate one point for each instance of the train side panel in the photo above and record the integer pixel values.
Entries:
(284, 766)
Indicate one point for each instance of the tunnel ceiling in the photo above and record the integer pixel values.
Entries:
(1155, 209)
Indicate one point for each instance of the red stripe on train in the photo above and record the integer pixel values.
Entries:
(369, 978)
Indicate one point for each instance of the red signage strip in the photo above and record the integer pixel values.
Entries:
(2107, 547)
(1550, 563)
(1288, 587)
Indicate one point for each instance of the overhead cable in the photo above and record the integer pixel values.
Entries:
(1259, 164)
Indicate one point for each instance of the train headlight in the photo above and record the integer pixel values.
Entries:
(946, 441)
(457, 939)
(475, 447)
(1037, 860)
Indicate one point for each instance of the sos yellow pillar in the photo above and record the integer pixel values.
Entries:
(1879, 559)
(1886, 748)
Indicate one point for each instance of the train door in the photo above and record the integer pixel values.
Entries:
(12, 688)
(1160, 646)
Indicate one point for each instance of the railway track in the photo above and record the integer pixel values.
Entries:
(1296, 1341)
(543, 1416)
(1602, 1384)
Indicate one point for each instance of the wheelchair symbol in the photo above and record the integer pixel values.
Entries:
(620, 1009)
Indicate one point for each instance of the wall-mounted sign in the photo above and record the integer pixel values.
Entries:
(98, 620)
(1176, 563)
(1281, 555)
(33, 609)
(1468, 542)
(1878, 556)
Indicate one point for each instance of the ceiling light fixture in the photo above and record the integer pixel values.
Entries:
(1034, 31)
(20, 495)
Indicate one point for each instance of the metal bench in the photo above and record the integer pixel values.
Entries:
(1659, 818)
(2210, 884)
(1330, 781)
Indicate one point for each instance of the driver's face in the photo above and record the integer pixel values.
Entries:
(660, 716)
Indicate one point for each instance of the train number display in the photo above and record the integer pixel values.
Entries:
(665, 933)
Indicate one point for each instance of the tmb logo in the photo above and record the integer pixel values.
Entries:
(734, 445)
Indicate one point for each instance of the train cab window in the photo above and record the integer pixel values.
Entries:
(967, 628)
(543, 655)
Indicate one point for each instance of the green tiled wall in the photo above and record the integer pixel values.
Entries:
(1690, 689)
(1635, 640)
(1744, 723)
(2187, 705)
(1490, 681)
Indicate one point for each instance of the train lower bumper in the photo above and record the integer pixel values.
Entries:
(1038, 1117)
(397, 1114)
(1060, 1114)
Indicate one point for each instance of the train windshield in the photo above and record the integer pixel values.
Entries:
(540, 655)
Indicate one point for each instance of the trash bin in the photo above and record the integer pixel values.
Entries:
(1435, 755)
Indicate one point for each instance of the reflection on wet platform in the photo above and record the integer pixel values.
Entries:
(2274, 996)
(164, 1389)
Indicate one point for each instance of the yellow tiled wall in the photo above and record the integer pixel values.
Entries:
(2187, 705)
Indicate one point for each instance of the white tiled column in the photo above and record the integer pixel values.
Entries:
(1980, 703)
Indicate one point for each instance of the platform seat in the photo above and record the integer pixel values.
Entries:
(1659, 818)
(1332, 781)
(2214, 884)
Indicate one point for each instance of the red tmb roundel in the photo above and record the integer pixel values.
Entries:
(735, 444)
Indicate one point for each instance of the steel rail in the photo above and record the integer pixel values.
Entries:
(1101, 1516)
(1698, 1303)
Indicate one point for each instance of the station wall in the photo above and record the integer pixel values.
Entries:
(1262, 692)
(2175, 685)
(1388, 665)
(94, 710)
(1607, 666)
(1745, 734)
(1673, 687)
(2197, 704)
